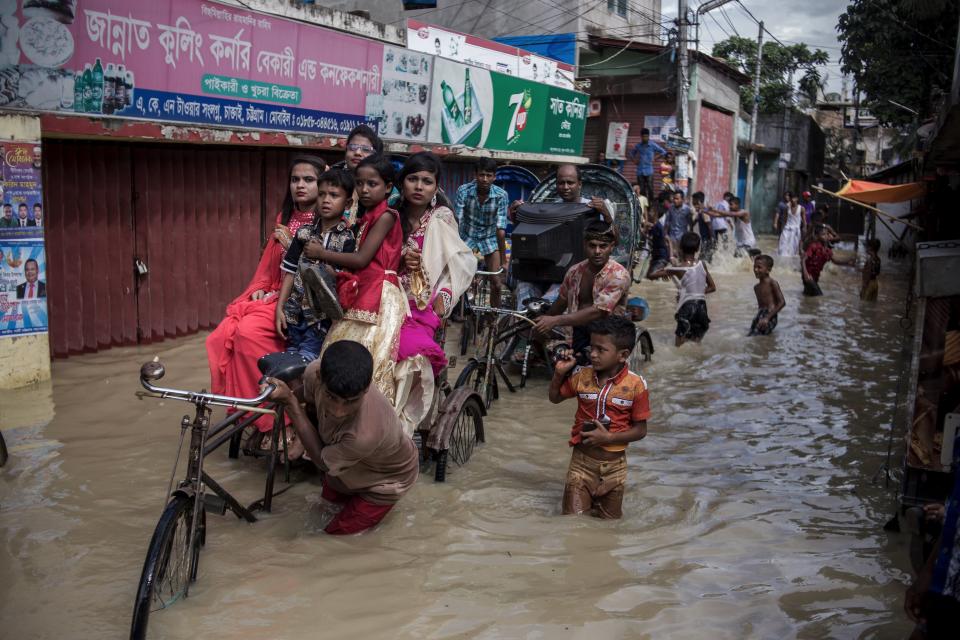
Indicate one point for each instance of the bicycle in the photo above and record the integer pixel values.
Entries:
(482, 371)
(174, 553)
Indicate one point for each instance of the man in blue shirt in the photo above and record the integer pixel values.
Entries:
(481, 209)
(643, 154)
(677, 221)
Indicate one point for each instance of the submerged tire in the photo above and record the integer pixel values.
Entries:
(170, 565)
(3, 451)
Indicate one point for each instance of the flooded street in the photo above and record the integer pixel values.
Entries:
(749, 511)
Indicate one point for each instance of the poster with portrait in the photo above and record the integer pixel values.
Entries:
(21, 197)
(23, 287)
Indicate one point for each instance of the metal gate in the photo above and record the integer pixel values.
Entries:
(193, 216)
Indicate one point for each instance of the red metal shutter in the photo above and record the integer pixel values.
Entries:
(633, 109)
(715, 153)
(198, 221)
(90, 283)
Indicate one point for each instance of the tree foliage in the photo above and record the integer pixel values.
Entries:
(900, 50)
(776, 67)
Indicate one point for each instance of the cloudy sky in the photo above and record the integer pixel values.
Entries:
(811, 21)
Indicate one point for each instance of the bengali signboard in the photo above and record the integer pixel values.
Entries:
(23, 264)
(488, 54)
(186, 61)
(479, 108)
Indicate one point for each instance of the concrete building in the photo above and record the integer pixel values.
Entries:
(789, 156)
(637, 19)
(639, 87)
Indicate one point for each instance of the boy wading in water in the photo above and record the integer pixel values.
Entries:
(870, 275)
(694, 285)
(769, 298)
(613, 406)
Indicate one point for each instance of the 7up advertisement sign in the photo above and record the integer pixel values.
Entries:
(485, 109)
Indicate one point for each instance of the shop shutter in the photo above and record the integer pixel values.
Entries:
(197, 226)
(715, 153)
(91, 292)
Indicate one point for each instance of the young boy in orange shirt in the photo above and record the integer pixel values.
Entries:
(612, 411)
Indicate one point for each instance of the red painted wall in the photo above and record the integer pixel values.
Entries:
(716, 153)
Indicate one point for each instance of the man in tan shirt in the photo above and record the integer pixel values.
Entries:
(367, 459)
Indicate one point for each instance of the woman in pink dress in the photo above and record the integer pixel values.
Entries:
(249, 331)
(437, 268)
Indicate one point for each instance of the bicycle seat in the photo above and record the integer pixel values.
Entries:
(283, 365)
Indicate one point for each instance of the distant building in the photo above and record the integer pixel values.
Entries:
(639, 20)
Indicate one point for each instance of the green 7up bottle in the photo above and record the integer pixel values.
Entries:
(450, 103)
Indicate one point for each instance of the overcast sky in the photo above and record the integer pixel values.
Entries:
(811, 21)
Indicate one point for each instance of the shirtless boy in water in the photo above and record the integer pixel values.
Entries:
(769, 298)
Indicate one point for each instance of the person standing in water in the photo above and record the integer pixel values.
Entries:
(769, 298)
(870, 275)
(613, 406)
(694, 285)
(793, 228)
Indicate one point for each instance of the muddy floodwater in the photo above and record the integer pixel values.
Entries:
(749, 512)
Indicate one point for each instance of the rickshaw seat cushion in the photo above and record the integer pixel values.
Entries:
(283, 365)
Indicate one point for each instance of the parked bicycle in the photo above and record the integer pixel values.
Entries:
(174, 552)
(506, 329)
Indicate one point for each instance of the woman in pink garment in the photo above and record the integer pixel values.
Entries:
(437, 268)
(249, 330)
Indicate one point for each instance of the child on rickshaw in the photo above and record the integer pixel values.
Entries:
(368, 289)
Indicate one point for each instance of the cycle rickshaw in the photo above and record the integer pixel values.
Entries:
(509, 329)
(450, 429)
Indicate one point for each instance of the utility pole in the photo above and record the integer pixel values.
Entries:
(748, 192)
(683, 90)
(787, 108)
(682, 68)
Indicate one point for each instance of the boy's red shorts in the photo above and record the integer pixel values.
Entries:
(357, 514)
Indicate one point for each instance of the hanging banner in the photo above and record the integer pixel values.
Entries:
(185, 61)
(488, 54)
(617, 140)
(479, 108)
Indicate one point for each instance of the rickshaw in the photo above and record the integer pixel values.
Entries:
(449, 431)
(507, 328)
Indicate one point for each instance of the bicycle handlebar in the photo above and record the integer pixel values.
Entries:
(155, 370)
(490, 273)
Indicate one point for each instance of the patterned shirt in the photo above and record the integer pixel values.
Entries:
(623, 399)
(339, 239)
(610, 287)
(479, 222)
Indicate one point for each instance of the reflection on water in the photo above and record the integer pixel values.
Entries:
(749, 511)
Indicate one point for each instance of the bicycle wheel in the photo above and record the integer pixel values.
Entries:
(170, 565)
(472, 377)
(467, 432)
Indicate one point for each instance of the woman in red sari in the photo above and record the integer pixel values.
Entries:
(249, 330)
